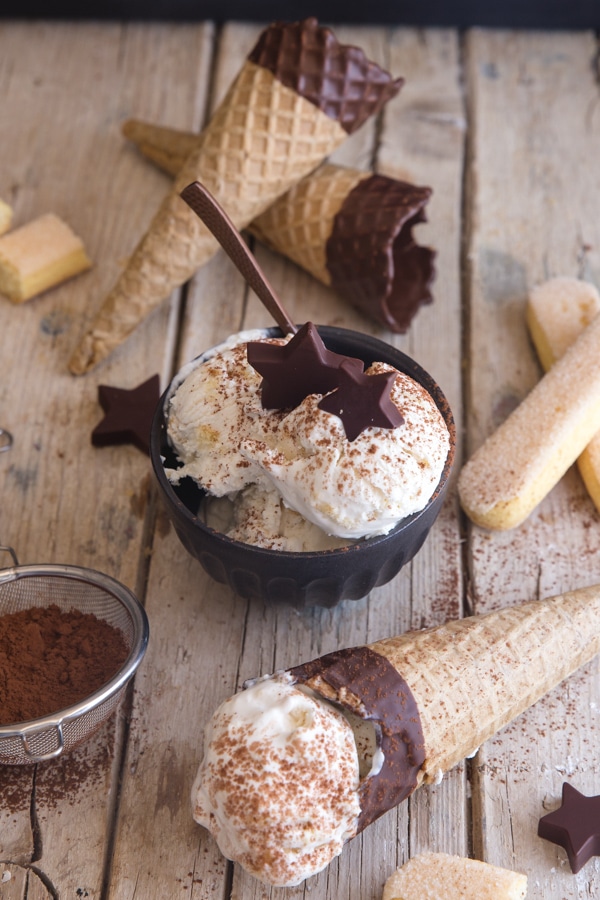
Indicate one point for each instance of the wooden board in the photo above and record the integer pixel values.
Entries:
(532, 216)
(504, 127)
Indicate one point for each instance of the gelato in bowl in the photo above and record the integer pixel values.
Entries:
(303, 474)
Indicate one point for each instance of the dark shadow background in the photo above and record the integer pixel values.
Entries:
(545, 14)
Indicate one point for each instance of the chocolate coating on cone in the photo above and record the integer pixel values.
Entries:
(336, 78)
(386, 700)
(371, 255)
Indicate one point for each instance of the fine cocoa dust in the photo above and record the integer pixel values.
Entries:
(51, 659)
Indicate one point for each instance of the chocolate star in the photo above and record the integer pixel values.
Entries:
(362, 401)
(575, 826)
(301, 367)
(128, 414)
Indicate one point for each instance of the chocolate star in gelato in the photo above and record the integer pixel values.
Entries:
(301, 367)
(362, 401)
(575, 825)
(128, 414)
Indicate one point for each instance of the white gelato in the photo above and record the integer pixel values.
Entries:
(214, 407)
(259, 516)
(301, 458)
(278, 784)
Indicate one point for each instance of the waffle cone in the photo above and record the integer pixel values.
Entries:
(350, 230)
(300, 223)
(167, 148)
(437, 695)
(298, 95)
(471, 677)
(262, 139)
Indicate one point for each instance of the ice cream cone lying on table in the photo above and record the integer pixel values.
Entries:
(300, 762)
(299, 94)
(351, 230)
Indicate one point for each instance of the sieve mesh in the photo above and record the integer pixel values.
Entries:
(71, 588)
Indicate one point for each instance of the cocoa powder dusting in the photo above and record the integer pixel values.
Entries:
(51, 659)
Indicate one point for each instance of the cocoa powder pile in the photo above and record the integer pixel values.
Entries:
(51, 659)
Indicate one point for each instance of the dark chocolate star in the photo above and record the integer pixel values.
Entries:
(575, 826)
(294, 370)
(362, 401)
(128, 414)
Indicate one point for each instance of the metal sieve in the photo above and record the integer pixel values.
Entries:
(88, 591)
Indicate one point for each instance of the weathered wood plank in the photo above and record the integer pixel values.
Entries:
(422, 142)
(198, 633)
(534, 174)
(533, 178)
(65, 90)
(283, 637)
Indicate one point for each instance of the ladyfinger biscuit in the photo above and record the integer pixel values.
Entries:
(557, 312)
(6, 214)
(38, 256)
(527, 455)
(432, 876)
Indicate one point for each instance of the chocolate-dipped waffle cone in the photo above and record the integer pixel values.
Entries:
(438, 694)
(297, 97)
(351, 230)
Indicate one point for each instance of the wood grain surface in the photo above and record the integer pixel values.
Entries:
(505, 127)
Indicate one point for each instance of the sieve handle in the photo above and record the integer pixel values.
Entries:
(6, 440)
(10, 550)
(42, 757)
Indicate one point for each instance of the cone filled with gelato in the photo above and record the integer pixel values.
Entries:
(298, 763)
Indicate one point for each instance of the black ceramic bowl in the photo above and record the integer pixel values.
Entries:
(321, 578)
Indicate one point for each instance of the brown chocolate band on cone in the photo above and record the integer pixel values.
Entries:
(336, 78)
(372, 257)
(385, 699)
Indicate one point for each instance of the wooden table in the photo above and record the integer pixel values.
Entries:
(505, 127)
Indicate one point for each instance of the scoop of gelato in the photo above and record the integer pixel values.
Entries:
(215, 405)
(358, 488)
(350, 489)
(297, 761)
(259, 516)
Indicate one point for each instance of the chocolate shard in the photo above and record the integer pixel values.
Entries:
(336, 78)
(363, 401)
(128, 414)
(294, 370)
(372, 257)
(384, 698)
(575, 825)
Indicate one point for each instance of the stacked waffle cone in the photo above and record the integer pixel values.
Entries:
(297, 97)
(351, 230)
(457, 684)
